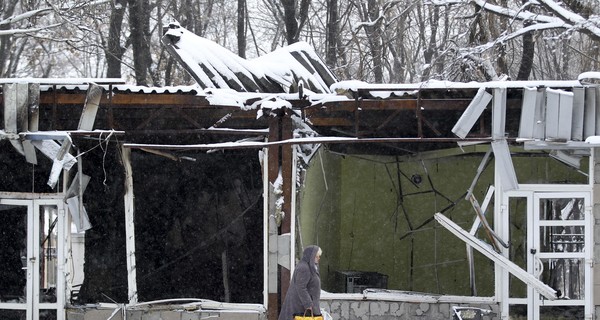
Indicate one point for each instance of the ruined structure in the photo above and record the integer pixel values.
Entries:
(429, 200)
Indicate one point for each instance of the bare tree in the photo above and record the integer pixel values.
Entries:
(371, 40)
(294, 18)
(331, 50)
(114, 50)
(241, 28)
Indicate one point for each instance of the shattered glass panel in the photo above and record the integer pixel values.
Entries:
(518, 240)
(13, 255)
(48, 315)
(48, 253)
(562, 209)
(12, 314)
(567, 238)
(567, 312)
(517, 312)
(566, 276)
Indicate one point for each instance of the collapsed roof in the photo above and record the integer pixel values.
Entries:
(281, 71)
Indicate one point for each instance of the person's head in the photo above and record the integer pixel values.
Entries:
(318, 255)
(312, 255)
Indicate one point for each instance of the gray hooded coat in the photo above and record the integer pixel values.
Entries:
(305, 290)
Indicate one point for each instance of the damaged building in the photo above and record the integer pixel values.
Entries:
(432, 200)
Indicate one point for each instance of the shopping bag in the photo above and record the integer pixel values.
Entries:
(306, 316)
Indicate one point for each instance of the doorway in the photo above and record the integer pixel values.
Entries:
(32, 259)
(549, 234)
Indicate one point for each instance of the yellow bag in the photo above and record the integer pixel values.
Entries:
(306, 317)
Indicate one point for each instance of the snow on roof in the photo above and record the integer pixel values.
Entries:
(590, 75)
(63, 81)
(353, 85)
(282, 70)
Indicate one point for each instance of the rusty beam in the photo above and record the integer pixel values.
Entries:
(117, 99)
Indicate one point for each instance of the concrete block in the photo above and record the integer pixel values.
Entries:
(436, 312)
(359, 310)
(75, 315)
(596, 191)
(596, 254)
(325, 306)
(190, 316)
(151, 315)
(596, 233)
(379, 308)
(101, 315)
(397, 310)
(445, 309)
(342, 308)
(230, 316)
(134, 315)
(170, 315)
(413, 309)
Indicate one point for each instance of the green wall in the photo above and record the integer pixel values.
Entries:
(367, 215)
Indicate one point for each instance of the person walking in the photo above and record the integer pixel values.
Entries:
(304, 293)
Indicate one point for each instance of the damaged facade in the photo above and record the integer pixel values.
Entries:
(429, 200)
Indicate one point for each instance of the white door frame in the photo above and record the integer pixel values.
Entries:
(533, 194)
(585, 255)
(32, 306)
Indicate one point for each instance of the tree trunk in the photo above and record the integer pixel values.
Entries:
(527, 56)
(114, 52)
(370, 14)
(241, 28)
(138, 24)
(291, 24)
(332, 33)
(430, 50)
(294, 19)
(528, 52)
(8, 8)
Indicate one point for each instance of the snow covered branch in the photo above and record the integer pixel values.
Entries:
(24, 16)
(29, 30)
(591, 27)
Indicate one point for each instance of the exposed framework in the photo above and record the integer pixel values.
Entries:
(365, 115)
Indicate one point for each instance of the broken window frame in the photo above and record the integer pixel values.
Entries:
(534, 192)
(33, 303)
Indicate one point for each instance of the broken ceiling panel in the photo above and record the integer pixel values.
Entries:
(532, 114)
(559, 115)
(90, 107)
(51, 149)
(214, 66)
(472, 113)
(15, 111)
(559, 110)
(589, 110)
(499, 113)
(508, 177)
(79, 214)
(578, 114)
